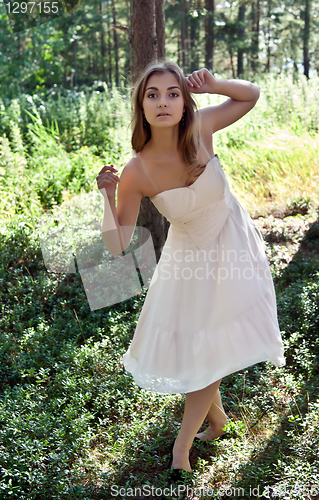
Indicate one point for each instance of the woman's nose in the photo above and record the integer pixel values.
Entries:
(162, 101)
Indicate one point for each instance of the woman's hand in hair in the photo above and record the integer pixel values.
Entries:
(201, 82)
(107, 181)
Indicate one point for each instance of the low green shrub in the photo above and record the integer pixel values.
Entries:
(73, 422)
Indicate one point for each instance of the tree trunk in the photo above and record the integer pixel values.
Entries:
(103, 50)
(209, 34)
(193, 55)
(268, 36)
(184, 35)
(75, 77)
(109, 54)
(20, 44)
(116, 49)
(241, 38)
(143, 36)
(255, 35)
(144, 45)
(75, 72)
(306, 35)
(160, 28)
(95, 65)
(232, 62)
(150, 218)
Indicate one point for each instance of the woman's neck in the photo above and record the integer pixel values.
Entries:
(163, 141)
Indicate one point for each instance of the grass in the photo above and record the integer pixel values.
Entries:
(53, 145)
(263, 173)
(271, 154)
(73, 423)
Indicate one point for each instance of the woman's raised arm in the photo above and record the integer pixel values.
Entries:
(243, 97)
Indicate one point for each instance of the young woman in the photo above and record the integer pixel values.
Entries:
(210, 309)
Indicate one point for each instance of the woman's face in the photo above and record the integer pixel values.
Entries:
(163, 102)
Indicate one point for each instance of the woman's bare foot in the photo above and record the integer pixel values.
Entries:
(209, 433)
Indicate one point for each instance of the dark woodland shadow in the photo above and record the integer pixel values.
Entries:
(303, 268)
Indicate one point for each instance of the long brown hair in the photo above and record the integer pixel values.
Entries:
(189, 134)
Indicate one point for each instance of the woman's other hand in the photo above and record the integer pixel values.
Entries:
(107, 181)
(201, 82)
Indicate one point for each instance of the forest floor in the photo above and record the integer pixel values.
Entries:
(273, 413)
(284, 235)
(74, 423)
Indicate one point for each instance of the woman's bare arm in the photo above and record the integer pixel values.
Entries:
(119, 221)
(243, 97)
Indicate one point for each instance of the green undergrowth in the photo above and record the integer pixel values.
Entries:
(271, 154)
(74, 425)
(53, 145)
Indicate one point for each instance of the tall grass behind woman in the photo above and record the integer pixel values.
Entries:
(211, 308)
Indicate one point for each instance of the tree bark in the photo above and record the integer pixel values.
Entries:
(95, 64)
(185, 35)
(306, 35)
(255, 35)
(109, 53)
(148, 44)
(194, 35)
(179, 51)
(160, 28)
(241, 37)
(150, 218)
(143, 36)
(103, 49)
(75, 77)
(209, 34)
(232, 62)
(116, 49)
(75, 72)
(268, 36)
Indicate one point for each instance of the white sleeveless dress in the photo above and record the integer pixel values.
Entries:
(211, 308)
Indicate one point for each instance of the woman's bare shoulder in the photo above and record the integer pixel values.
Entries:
(133, 174)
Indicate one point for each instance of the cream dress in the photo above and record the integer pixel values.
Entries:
(211, 308)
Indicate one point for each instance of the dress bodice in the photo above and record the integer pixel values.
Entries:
(200, 209)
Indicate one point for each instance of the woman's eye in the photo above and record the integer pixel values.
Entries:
(174, 94)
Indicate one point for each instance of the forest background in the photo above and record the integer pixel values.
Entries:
(72, 422)
(238, 38)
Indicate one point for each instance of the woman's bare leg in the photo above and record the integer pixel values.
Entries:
(197, 406)
(217, 420)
